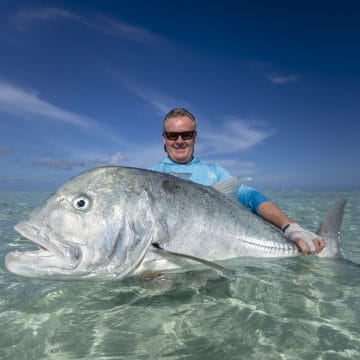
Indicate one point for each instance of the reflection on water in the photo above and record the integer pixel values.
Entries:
(296, 308)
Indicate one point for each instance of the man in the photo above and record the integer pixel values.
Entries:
(179, 137)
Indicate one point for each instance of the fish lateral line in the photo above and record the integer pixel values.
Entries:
(222, 270)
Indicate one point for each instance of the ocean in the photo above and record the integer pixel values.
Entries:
(294, 308)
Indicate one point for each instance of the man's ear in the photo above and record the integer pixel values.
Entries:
(163, 139)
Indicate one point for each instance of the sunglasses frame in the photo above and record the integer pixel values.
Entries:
(184, 134)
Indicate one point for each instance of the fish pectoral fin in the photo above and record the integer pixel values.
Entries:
(222, 270)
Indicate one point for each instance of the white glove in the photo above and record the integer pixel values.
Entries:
(295, 231)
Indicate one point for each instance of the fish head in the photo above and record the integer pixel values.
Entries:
(93, 226)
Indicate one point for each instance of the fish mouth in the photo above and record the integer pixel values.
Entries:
(34, 234)
(51, 259)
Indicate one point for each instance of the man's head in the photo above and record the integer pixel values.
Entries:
(179, 135)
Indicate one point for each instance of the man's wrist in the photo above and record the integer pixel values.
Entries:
(286, 226)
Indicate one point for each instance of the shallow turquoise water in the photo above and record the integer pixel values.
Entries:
(296, 308)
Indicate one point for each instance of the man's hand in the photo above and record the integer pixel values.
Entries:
(306, 241)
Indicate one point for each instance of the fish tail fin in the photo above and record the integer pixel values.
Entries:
(329, 230)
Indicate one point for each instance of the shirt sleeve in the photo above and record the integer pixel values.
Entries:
(251, 198)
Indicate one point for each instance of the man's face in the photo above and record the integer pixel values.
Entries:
(179, 150)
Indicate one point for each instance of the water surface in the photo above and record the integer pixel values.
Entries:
(294, 308)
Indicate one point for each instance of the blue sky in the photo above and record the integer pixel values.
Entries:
(275, 87)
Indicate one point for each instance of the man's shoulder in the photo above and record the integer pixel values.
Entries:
(210, 165)
(211, 170)
(158, 166)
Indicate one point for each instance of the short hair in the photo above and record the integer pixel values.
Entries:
(179, 112)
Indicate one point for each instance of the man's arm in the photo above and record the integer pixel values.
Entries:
(301, 237)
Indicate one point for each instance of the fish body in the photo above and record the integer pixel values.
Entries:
(105, 222)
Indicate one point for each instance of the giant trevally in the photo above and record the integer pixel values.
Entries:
(112, 222)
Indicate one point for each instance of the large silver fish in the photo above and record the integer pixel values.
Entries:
(111, 222)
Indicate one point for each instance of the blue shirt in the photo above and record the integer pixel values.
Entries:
(206, 173)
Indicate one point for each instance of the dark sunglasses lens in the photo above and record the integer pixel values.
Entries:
(186, 135)
(171, 135)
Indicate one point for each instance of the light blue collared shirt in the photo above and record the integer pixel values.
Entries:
(207, 173)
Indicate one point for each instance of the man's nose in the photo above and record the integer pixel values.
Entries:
(180, 139)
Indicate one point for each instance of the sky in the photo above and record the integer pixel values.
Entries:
(274, 85)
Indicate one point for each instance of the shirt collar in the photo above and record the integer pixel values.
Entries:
(167, 160)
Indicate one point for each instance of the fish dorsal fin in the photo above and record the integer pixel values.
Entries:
(210, 264)
(229, 187)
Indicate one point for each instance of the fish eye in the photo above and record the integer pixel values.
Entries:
(81, 202)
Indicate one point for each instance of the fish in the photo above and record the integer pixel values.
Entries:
(111, 222)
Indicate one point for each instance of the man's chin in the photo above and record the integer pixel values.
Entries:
(181, 157)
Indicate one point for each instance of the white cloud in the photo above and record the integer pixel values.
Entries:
(231, 137)
(45, 13)
(102, 160)
(27, 105)
(162, 103)
(24, 102)
(274, 77)
(279, 79)
(117, 158)
(95, 21)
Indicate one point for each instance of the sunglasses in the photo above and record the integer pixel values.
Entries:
(186, 135)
